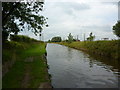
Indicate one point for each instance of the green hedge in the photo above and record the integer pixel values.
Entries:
(21, 38)
(12, 45)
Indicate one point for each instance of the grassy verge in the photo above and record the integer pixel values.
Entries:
(102, 48)
(28, 68)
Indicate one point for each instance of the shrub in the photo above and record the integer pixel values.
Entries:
(12, 45)
(4, 35)
(21, 38)
(56, 39)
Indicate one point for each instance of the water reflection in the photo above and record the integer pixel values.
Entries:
(106, 62)
(69, 54)
(71, 68)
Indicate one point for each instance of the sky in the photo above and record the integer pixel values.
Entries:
(79, 17)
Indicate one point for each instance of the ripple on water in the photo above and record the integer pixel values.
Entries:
(71, 68)
(102, 83)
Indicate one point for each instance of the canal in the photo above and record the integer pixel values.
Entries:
(71, 68)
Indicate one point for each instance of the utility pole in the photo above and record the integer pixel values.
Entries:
(40, 36)
(77, 37)
(84, 36)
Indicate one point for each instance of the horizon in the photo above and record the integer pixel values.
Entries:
(78, 18)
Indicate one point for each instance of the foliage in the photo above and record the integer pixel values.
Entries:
(21, 38)
(4, 36)
(56, 39)
(70, 38)
(75, 39)
(49, 41)
(116, 29)
(17, 42)
(90, 38)
(65, 40)
(13, 44)
(17, 16)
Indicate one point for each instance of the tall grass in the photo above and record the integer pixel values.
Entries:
(103, 48)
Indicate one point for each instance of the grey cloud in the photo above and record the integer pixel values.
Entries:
(61, 13)
(69, 7)
(78, 6)
(100, 28)
(110, 3)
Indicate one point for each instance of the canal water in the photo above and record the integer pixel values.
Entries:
(71, 68)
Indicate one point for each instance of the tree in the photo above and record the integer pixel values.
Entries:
(16, 16)
(116, 29)
(70, 38)
(91, 38)
(5, 35)
(56, 39)
(49, 41)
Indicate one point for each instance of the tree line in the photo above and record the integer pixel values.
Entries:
(70, 38)
(116, 31)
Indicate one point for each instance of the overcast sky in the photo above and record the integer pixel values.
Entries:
(79, 17)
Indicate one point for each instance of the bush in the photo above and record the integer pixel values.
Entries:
(56, 39)
(21, 38)
(12, 45)
(4, 35)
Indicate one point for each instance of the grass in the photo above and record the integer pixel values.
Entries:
(14, 77)
(25, 73)
(103, 48)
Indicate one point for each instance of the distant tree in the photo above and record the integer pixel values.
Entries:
(56, 39)
(65, 40)
(91, 37)
(116, 29)
(70, 38)
(18, 15)
(49, 41)
(74, 39)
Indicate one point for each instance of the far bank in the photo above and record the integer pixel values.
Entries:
(108, 49)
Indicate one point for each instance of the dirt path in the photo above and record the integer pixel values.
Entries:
(26, 79)
(45, 85)
(27, 76)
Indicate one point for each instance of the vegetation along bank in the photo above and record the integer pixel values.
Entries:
(24, 64)
(108, 49)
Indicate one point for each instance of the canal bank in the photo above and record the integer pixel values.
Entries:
(71, 68)
(24, 65)
(108, 49)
